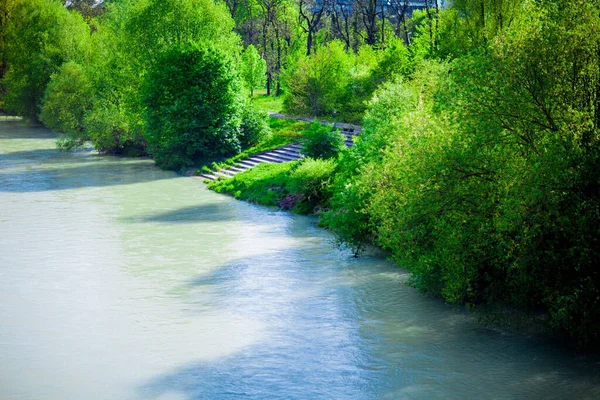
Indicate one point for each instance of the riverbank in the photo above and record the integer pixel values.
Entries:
(273, 185)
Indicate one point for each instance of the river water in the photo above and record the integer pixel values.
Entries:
(122, 281)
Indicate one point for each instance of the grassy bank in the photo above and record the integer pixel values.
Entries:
(299, 186)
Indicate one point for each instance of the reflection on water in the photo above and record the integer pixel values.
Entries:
(122, 281)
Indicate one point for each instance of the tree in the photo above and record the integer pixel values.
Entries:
(158, 25)
(41, 35)
(368, 13)
(311, 12)
(400, 10)
(254, 69)
(193, 104)
(131, 37)
(341, 22)
(277, 23)
(6, 9)
(68, 97)
(317, 84)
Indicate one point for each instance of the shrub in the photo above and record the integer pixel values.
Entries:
(316, 84)
(395, 62)
(110, 129)
(255, 127)
(193, 106)
(348, 217)
(68, 96)
(311, 178)
(322, 142)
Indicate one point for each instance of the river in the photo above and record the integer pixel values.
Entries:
(122, 281)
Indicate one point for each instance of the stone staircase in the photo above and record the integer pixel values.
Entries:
(287, 153)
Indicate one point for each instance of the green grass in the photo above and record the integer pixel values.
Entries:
(302, 185)
(264, 184)
(267, 103)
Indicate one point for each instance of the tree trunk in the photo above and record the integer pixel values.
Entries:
(309, 42)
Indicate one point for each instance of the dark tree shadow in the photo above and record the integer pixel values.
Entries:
(107, 173)
(46, 156)
(24, 129)
(213, 212)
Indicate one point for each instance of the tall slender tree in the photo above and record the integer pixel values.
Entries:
(310, 13)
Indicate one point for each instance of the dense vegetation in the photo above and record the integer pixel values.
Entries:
(478, 166)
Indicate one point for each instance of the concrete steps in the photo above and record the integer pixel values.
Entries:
(287, 153)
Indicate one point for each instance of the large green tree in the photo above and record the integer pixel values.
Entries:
(6, 9)
(193, 103)
(40, 36)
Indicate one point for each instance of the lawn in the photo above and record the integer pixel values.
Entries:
(267, 103)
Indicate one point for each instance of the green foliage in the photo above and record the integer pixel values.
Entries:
(6, 10)
(264, 184)
(481, 175)
(348, 217)
(193, 104)
(395, 62)
(155, 26)
(543, 83)
(267, 103)
(321, 141)
(110, 130)
(40, 36)
(68, 97)
(316, 84)
(332, 80)
(312, 178)
(254, 69)
(254, 128)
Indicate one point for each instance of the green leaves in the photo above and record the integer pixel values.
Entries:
(68, 97)
(322, 141)
(480, 175)
(316, 85)
(254, 69)
(40, 36)
(193, 106)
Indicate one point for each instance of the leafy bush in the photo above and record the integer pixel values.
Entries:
(481, 175)
(316, 84)
(193, 106)
(348, 216)
(254, 128)
(40, 36)
(311, 178)
(68, 97)
(395, 61)
(322, 142)
(111, 130)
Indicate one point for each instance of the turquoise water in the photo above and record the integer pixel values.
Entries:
(122, 281)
